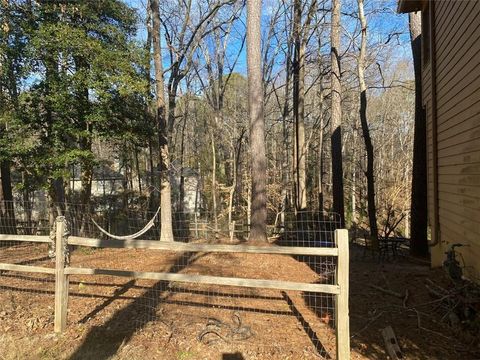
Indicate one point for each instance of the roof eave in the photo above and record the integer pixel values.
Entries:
(407, 6)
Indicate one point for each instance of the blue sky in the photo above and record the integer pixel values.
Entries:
(381, 15)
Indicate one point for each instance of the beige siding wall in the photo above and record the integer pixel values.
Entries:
(458, 128)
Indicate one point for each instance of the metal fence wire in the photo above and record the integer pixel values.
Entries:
(20, 292)
(203, 318)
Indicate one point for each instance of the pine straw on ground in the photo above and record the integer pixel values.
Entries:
(122, 318)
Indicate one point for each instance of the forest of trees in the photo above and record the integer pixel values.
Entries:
(320, 118)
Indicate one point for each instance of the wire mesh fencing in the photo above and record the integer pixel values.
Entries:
(26, 298)
(204, 318)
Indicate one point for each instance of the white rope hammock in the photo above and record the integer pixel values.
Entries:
(147, 227)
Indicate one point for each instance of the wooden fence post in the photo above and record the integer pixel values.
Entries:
(342, 312)
(61, 279)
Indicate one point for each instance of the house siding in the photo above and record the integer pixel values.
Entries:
(457, 56)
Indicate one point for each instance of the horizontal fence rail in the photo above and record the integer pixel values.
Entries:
(26, 268)
(26, 238)
(179, 246)
(211, 280)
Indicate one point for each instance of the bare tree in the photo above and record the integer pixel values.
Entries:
(258, 230)
(166, 232)
(281, 92)
(419, 244)
(336, 117)
(183, 35)
(184, 27)
(300, 34)
(149, 108)
(214, 56)
(372, 212)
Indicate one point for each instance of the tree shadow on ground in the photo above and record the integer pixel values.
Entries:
(234, 356)
(307, 328)
(107, 302)
(419, 330)
(105, 340)
(371, 311)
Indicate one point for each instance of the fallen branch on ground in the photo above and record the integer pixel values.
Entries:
(367, 324)
(387, 291)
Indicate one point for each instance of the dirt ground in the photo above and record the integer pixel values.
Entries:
(121, 318)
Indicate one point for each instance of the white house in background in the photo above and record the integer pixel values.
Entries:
(106, 181)
(192, 199)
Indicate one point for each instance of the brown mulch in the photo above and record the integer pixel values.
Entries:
(122, 318)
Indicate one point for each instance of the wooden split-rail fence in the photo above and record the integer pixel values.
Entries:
(62, 271)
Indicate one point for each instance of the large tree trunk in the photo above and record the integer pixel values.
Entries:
(136, 150)
(419, 242)
(236, 151)
(258, 231)
(285, 134)
(320, 150)
(85, 143)
(27, 206)
(299, 110)
(181, 199)
(86, 178)
(372, 212)
(300, 35)
(166, 232)
(214, 182)
(148, 111)
(7, 211)
(55, 190)
(336, 117)
(354, 174)
(56, 193)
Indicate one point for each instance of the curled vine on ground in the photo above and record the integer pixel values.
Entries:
(224, 331)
